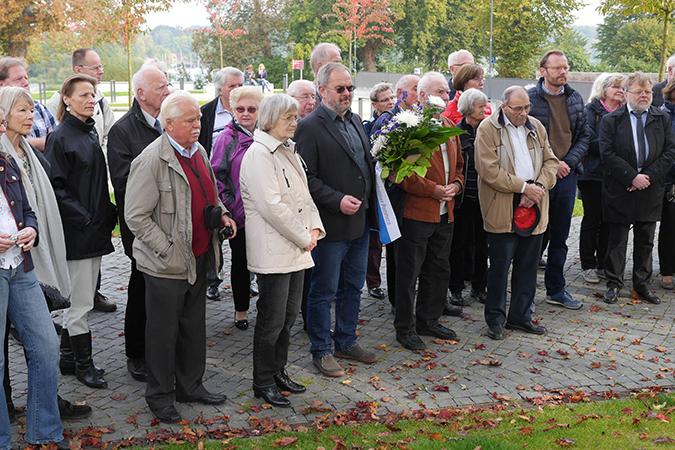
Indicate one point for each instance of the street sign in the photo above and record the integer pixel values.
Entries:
(298, 64)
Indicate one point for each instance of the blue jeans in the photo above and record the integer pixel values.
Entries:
(339, 273)
(561, 205)
(22, 301)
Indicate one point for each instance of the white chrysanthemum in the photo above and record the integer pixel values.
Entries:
(378, 145)
(408, 118)
(436, 102)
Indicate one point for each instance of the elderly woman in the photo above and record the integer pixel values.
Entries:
(469, 241)
(606, 96)
(283, 226)
(667, 228)
(23, 304)
(469, 76)
(49, 258)
(226, 157)
(80, 180)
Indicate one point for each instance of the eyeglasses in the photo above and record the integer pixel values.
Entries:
(341, 89)
(388, 99)
(250, 109)
(519, 109)
(558, 68)
(95, 68)
(641, 93)
(306, 97)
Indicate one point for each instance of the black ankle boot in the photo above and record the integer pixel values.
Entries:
(67, 360)
(84, 366)
(72, 411)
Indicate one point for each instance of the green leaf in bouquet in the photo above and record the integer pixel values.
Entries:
(421, 171)
(385, 173)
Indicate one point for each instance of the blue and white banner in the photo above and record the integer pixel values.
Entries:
(388, 226)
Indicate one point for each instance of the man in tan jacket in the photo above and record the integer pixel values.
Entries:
(426, 233)
(513, 158)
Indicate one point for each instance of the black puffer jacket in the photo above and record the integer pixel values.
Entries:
(80, 181)
(592, 168)
(575, 110)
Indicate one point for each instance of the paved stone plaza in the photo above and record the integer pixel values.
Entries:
(599, 348)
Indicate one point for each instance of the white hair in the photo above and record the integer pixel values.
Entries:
(468, 99)
(454, 56)
(295, 87)
(427, 78)
(671, 62)
(602, 82)
(219, 77)
(320, 53)
(138, 81)
(172, 106)
(273, 107)
(509, 91)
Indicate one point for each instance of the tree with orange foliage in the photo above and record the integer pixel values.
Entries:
(223, 18)
(368, 21)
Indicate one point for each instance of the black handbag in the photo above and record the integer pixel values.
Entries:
(55, 301)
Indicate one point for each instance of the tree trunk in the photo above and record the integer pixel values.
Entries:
(220, 43)
(664, 42)
(369, 54)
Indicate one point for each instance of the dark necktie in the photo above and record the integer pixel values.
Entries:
(641, 138)
(158, 127)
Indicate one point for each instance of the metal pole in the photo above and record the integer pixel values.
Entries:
(491, 61)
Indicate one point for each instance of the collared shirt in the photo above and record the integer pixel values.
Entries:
(633, 125)
(43, 121)
(353, 140)
(561, 91)
(149, 119)
(221, 120)
(524, 167)
(188, 153)
(11, 257)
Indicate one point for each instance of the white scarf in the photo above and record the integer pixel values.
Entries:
(49, 257)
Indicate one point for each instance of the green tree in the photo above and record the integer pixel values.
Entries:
(574, 44)
(661, 10)
(521, 31)
(627, 44)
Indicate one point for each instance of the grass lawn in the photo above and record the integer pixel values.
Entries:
(641, 421)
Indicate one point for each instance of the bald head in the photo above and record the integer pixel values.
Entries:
(516, 105)
(406, 89)
(324, 53)
(150, 88)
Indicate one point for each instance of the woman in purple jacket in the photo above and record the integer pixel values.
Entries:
(226, 157)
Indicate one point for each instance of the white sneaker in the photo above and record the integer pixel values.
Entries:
(591, 276)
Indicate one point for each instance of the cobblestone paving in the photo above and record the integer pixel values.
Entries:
(599, 348)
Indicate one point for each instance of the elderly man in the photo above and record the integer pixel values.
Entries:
(426, 234)
(561, 110)
(455, 61)
(14, 72)
(174, 246)
(324, 53)
(516, 168)
(305, 93)
(135, 130)
(87, 61)
(657, 90)
(216, 114)
(637, 151)
(336, 150)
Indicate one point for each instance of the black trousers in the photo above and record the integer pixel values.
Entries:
(175, 337)
(505, 249)
(390, 253)
(373, 278)
(240, 279)
(278, 305)
(643, 244)
(422, 253)
(468, 238)
(134, 317)
(594, 231)
(667, 239)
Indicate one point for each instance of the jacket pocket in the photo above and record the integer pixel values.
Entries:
(166, 201)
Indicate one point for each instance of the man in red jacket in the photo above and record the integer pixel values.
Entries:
(426, 235)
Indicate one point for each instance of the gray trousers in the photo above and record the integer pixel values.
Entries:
(278, 306)
(175, 337)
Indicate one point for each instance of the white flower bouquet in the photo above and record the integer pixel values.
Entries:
(405, 144)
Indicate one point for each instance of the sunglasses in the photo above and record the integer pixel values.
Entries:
(250, 109)
(341, 89)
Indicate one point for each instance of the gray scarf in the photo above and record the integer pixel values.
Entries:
(49, 257)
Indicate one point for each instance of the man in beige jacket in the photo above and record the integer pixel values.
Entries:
(513, 159)
(171, 204)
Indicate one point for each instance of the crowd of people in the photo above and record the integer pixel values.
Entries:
(288, 181)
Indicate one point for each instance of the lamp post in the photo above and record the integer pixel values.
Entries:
(491, 60)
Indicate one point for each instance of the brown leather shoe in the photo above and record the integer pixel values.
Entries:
(357, 353)
(328, 366)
